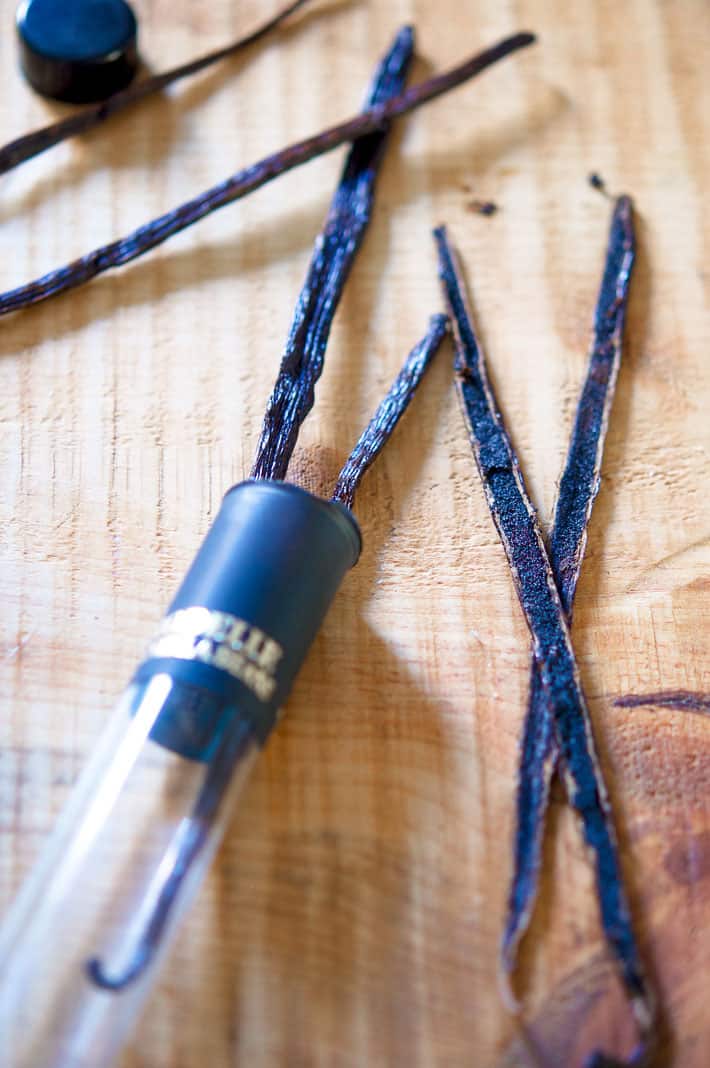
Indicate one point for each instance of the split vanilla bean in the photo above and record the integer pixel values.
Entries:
(520, 533)
(390, 411)
(335, 251)
(578, 490)
(147, 237)
(32, 144)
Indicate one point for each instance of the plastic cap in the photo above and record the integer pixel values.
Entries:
(77, 50)
(247, 612)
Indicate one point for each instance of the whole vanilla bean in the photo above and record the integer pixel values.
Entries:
(520, 533)
(578, 490)
(32, 144)
(683, 700)
(390, 411)
(246, 181)
(335, 251)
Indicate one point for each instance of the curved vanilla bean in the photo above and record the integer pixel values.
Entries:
(520, 533)
(32, 144)
(335, 250)
(683, 700)
(246, 181)
(578, 490)
(390, 411)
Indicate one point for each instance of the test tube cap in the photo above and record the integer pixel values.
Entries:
(77, 50)
(249, 608)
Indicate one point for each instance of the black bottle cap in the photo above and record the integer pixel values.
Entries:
(77, 50)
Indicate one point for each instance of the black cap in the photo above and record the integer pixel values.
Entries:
(247, 612)
(77, 50)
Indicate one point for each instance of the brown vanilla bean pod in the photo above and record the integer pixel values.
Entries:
(335, 250)
(37, 141)
(682, 700)
(520, 533)
(246, 181)
(390, 411)
(577, 492)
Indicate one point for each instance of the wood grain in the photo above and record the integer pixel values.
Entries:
(354, 914)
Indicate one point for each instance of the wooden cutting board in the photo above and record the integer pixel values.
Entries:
(354, 913)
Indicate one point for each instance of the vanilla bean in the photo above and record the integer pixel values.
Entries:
(578, 490)
(390, 411)
(335, 250)
(32, 144)
(520, 533)
(246, 181)
(683, 700)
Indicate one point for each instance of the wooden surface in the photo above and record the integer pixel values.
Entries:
(354, 914)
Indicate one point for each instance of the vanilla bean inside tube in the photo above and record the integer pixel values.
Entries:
(520, 533)
(239, 185)
(578, 490)
(335, 250)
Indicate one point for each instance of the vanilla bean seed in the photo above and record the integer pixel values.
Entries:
(520, 533)
(246, 181)
(578, 490)
(483, 207)
(335, 251)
